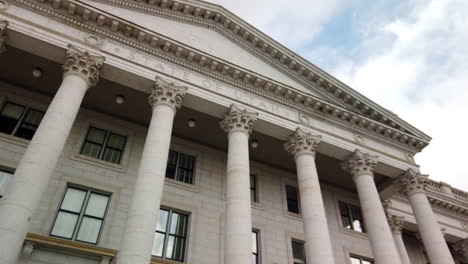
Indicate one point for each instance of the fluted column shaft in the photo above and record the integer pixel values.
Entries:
(396, 225)
(360, 166)
(318, 247)
(238, 124)
(413, 185)
(40, 158)
(137, 243)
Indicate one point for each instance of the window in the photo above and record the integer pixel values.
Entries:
(351, 217)
(170, 237)
(180, 167)
(5, 177)
(81, 215)
(255, 247)
(253, 188)
(20, 121)
(298, 252)
(360, 260)
(292, 198)
(104, 145)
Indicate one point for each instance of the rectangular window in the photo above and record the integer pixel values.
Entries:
(5, 177)
(81, 215)
(20, 121)
(360, 260)
(351, 217)
(298, 252)
(180, 167)
(292, 198)
(171, 233)
(253, 188)
(255, 247)
(104, 145)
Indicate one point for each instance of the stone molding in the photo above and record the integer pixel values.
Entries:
(238, 119)
(3, 37)
(266, 48)
(412, 182)
(302, 142)
(448, 206)
(360, 163)
(86, 18)
(167, 93)
(83, 64)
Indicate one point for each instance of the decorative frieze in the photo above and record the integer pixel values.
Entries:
(3, 37)
(238, 119)
(302, 142)
(412, 181)
(166, 92)
(108, 26)
(359, 163)
(84, 64)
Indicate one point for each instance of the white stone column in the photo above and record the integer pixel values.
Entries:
(318, 247)
(361, 166)
(32, 174)
(413, 185)
(137, 240)
(3, 37)
(396, 225)
(238, 124)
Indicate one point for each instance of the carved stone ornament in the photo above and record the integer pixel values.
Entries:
(359, 163)
(412, 181)
(3, 37)
(238, 119)
(84, 64)
(168, 93)
(396, 223)
(302, 142)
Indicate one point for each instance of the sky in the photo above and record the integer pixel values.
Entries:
(410, 56)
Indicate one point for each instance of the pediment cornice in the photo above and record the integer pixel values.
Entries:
(260, 44)
(87, 18)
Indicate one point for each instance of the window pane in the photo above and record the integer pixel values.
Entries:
(116, 141)
(254, 242)
(175, 248)
(96, 135)
(112, 155)
(162, 221)
(64, 225)
(355, 261)
(178, 224)
(292, 199)
(9, 117)
(33, 117)
(91, 149)
(158, 244)
(366, 262)
(73, 200)
(171, 164)
(89, 230)
(357, 218)
(298, 250)
(97, 205)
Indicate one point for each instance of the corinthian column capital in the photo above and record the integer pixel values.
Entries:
(238, 119)
(396, 223)
(359, 163)
(168, 93)
(412, 181)
(83, 64)
(302, 142)
(3, 37)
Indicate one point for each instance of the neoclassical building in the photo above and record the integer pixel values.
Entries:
(171, 131)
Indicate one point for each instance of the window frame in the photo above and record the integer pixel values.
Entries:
(105, 145)
(178, 167)
(21, 119)
(258, 258)
(360, 258)
(350, 217)
(254, 188)
(167, 233)
(299, 212)
(81, 214)
(293, 240)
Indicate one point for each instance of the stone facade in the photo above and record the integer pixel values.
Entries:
(282, 119)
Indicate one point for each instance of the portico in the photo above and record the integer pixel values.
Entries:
(321, 123)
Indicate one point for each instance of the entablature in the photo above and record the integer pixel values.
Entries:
(87, 18)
